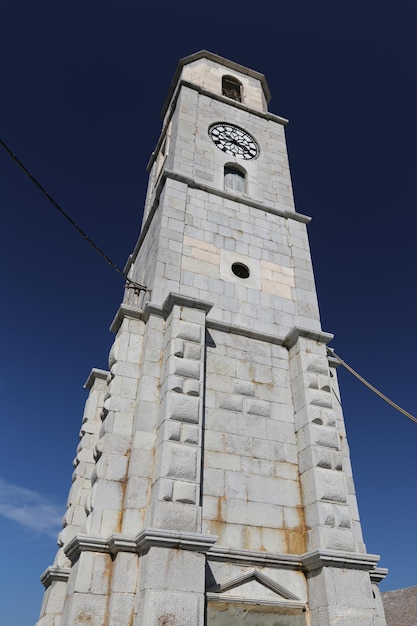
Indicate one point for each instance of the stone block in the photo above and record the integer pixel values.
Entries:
(179, 461)
(121, 608)
(262, 467)
(222, 461)
(192, 387)
(186, 368)
(183, 408)
(235, 485)
(167, 608)
(137, 496)
(229, 402)
(258, 407)
(189, 332)
(245, 388)
(271, 490)
(185, 492)
(100, 582)
(190, 434)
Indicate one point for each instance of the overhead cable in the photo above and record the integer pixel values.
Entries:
(130, 283)
(371, 387)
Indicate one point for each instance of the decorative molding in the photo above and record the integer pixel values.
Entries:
(254, 574)
(335, 558)
(378, 574)
(298, 217)
(297, 332)
(333, 362)
(189, 182)
(86, 543)
(245, 332)
(120, 543)
(147, 538)
(55, 573)
(150, 308)
(288, 606)
(192, 303)
(150, 537)
(125, 310)
(250, 557)
(95, 373)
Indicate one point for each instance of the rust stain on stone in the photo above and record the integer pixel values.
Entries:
(84, 618)
(219, 516)
(296, 535)
(296, 542)
(167, 620)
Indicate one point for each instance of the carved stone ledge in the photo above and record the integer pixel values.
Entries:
(170, 539)
(192, 303)
(95, 373)
(147, 538)
(336, 558)
(297, 332)
(249, 557)
(85, 543)
(53, 573)
(378, 574)
(125, 310)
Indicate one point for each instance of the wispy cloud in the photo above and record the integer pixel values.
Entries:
(29, 509)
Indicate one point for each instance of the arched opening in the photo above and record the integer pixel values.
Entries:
(232, 88)
(234, 178)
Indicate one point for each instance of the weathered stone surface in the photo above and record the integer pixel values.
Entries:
(219, 413)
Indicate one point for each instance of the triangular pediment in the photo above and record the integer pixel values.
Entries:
(252, 584)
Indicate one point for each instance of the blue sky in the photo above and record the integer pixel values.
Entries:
(81, 88)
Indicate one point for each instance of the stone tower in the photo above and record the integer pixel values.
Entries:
(212, 482)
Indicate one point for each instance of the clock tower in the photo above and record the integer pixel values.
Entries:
(212, 482)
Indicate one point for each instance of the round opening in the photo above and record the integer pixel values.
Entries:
(240, 270)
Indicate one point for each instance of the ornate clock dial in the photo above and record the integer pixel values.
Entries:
(234, 140)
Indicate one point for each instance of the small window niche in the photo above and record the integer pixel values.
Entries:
(234, 178)
(232, 88)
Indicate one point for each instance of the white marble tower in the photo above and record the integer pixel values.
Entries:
(212, 482)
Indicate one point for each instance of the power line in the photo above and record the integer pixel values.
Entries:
(371, 387)
(130, 283)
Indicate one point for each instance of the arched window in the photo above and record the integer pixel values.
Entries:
(232, 88)
(234, 178)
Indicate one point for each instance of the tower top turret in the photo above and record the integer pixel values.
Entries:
(219, 76)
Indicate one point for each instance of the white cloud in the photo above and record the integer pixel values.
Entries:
(29, 509)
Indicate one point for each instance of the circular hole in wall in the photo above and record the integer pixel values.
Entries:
(240, 270)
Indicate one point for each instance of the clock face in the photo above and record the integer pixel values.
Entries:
(234, 140)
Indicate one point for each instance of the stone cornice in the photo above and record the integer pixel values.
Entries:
(338, 558)
(245, 332)
(306, 562)
(378, 574)
(239, 199)
(86, 543)
(53, 573)
(195, 542)
(166, 174)
(147, 538)
(176, 299)
(93, 375)
(297, 332)
(194, 303)
(150, 308)
(125, 310)
(251, 557)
